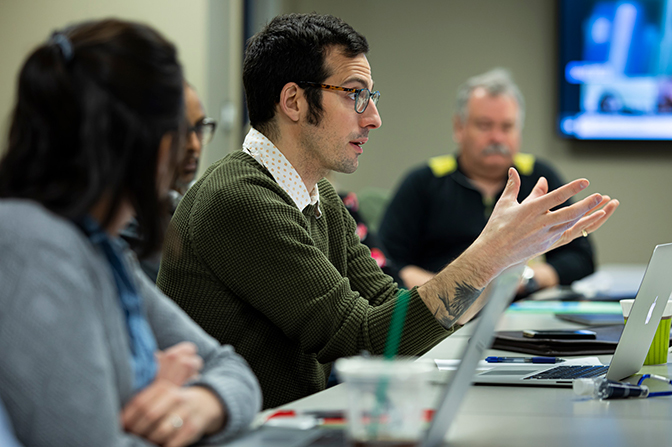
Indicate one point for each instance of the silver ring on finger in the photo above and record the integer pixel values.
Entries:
(176, 421)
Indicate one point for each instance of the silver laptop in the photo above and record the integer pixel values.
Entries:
(654, 292)
(499, 294)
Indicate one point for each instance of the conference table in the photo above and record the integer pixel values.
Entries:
(534, 416)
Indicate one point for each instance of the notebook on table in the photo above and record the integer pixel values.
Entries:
(628, 359)
(604, 343)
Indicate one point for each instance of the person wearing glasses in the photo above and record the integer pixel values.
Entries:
(417, 229)
(200, 131)
(263, 253)
(93, 354)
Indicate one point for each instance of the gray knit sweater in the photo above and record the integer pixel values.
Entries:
(65, 372)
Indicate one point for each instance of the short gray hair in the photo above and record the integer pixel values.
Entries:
(496, 82)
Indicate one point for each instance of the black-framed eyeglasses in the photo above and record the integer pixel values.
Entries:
(361, 95)
(204, 130)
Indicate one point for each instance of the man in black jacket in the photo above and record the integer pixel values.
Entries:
(441, 207)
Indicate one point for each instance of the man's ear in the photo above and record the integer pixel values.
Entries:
(458, 128)
(291, 98)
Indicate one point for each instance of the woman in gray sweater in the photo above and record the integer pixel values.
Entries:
(93, 354)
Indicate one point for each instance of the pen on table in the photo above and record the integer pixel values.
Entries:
(319, 414)
(304, 420)
(329, 415)
(494, 359)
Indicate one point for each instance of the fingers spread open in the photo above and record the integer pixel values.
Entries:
(608, 211)
(561, 195)
(576, 230)
(539, 190)
(588, 223)
(512, 187)
(575, 211)
(603, 202)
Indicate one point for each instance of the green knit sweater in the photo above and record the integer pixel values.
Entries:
(290, 291)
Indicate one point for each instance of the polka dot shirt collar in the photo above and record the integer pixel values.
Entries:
(266, 154)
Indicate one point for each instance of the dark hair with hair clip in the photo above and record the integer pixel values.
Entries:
(63, 43)
(292, 48)
(89, 125)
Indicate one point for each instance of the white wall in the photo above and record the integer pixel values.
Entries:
(24, 24)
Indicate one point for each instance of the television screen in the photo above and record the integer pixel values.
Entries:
(616, 69)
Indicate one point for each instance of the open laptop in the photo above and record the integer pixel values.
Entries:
(499, 294)
(652, 297)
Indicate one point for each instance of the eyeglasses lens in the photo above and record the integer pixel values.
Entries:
(363, 98)
(208, 132)
(204, 132)
(362, 101)
(375, 98)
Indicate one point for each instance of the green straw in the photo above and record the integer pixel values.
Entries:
(396, 324)
(391, 347)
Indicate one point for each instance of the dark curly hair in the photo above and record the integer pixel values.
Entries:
(292, 48)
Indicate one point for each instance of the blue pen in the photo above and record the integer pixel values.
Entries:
(494, 359)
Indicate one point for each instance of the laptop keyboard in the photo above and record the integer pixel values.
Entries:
(571, 372)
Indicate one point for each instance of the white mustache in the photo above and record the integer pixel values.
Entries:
(496, 149)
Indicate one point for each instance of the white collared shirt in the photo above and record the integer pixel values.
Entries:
(266, 154)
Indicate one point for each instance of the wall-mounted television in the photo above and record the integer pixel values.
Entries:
(615, 69)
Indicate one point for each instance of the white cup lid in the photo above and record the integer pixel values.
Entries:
(372, 367)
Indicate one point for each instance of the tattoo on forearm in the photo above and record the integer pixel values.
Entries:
(455, 307)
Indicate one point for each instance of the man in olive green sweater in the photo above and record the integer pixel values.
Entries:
(263, 254)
